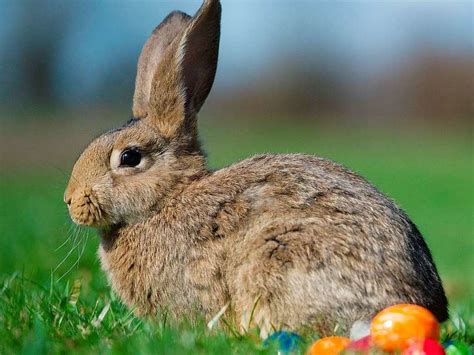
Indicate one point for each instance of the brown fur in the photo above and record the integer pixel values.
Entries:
(295, 239)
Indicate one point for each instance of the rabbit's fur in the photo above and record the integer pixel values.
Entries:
(288, 240)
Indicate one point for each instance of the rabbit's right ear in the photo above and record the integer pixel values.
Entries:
(152, 54)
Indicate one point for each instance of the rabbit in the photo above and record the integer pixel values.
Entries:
(276, 241)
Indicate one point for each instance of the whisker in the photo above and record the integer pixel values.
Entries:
(68, 235)
(65, 174)
(74, 178)
(60, 183)
(79, 255)
(74, 246)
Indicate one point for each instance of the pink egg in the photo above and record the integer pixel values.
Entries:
(361, 345)
(425, 347)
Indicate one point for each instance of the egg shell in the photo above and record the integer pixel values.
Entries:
(425, 347)
(329, 346)
(363, 344)
(397, 327)
(287, 342)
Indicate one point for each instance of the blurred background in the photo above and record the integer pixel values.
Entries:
(384, 87)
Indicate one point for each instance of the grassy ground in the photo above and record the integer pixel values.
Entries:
(54, 298)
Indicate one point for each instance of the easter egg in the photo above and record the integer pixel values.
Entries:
(361, 345)
(457, 348)
(329, 346)
(424, 347)
(359, 329)
(287, 342)
(399, 326)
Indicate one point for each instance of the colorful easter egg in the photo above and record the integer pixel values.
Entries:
(360, 329)
(361, 345)
(329, 346)
(424, 347)
(287, 342)
(399, 326)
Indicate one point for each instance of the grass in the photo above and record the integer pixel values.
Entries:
(46, 308)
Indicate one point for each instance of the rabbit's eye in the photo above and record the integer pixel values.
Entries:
(130, 158)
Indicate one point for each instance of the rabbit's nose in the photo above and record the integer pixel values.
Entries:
(67, 200)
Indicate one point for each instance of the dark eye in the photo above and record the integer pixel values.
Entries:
(130, 157)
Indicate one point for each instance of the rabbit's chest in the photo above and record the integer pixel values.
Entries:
(154, 276)
(146, 282)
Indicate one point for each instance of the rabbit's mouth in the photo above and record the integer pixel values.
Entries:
(85, 210)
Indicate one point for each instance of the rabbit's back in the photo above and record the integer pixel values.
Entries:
(320, 242)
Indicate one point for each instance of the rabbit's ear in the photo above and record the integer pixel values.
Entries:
(185, 76)
(152, 54)
(199, 51)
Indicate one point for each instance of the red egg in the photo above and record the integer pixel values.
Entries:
(425, 347)
(399, 326)
(361, 345)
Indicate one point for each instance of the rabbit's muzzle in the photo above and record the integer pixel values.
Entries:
(84, 208)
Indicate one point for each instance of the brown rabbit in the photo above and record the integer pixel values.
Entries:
(287, 240)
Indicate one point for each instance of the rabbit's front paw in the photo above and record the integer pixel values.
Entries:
(257, 315)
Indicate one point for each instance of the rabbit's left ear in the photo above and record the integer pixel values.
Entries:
(152, 54)
(184, 77)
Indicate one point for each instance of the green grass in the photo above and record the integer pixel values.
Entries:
(46, 308)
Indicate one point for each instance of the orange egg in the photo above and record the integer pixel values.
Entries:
(399, 326)
(329, 346)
